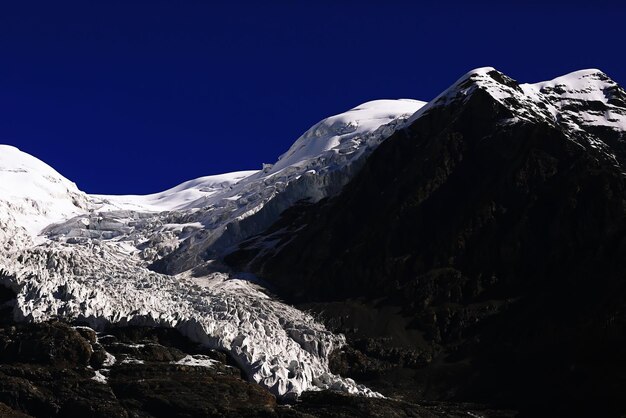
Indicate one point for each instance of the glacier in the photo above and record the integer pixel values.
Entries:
(154, 259)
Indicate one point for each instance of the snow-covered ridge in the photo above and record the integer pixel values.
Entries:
(345, 133)
(583, 99)
(79, 256)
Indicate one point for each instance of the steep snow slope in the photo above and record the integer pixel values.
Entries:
(93, 252)
(344, 133)
(33, 194)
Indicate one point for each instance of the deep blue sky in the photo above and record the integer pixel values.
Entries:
(135, 97)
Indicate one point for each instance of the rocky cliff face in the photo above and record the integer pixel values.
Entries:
(480, 253)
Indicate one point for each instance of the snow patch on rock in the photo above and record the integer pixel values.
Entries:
(197, 360)
(99, 377)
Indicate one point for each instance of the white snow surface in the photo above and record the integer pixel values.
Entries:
(344, 133)
(197, 360)
(71, 255)
(99, 377)
(33, 194)
(179, 197)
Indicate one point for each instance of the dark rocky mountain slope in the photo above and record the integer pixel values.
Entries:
(480, 254)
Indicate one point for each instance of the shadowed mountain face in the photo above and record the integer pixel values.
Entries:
(479, 255)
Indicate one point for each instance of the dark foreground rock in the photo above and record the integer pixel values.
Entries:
(57, 370)
(46, 371)
(8, 412)
(331, 404)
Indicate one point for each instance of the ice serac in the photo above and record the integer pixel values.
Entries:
(102, 259)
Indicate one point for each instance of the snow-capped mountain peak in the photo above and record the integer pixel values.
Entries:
(580, 103)
(343, 133)
(583, 99)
